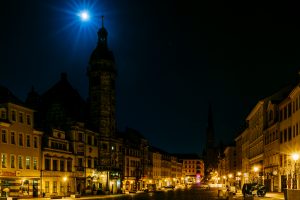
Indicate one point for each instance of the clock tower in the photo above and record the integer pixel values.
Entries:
(102, 76)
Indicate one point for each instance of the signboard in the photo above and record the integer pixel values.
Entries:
(7, 173)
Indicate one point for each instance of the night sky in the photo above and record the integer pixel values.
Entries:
(173, 59)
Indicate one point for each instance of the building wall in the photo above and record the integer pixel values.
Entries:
(256, 120)
(20, 148)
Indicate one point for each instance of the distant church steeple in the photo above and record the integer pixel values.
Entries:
(210, 129)
(210, 157)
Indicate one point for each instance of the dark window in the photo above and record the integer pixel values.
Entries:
(80, 137)
(28, 140)
(89, 163)
(289, 133)
(12, 138)
(285, 113)
(69, 165)
(28, 119)
(285, 135)
(289, 110)
(47, 163)
(95, 163)
(35, 142)
(13, 115)
(20, 139)
(89, 140)
(54, 165)
(21, 118)
(281, 137)
(4, 137)
(62, 165)
(80, 162)
(3, 114)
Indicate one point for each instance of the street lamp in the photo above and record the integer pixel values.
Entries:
(295, 157)
(239, 178)
(65, 180)
(255, 169)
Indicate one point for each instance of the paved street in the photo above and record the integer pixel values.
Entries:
(194, 193)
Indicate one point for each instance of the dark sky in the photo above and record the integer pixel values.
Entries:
(173, 58)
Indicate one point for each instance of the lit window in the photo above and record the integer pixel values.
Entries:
(35, 163)
(27, 162)
(4, 160)
(20, 162)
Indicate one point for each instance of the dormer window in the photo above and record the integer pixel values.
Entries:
(21, 120)
(3, 114)
(13, 115)
(28, 119)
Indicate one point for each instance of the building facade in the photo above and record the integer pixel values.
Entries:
(20, 148)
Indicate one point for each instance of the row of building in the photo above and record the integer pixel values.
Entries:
(62, 163)
(267, 149)
(57, 143)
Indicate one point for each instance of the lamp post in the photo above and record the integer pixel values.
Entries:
(65, 189)
(295, 157)
(255, 169)
(239, 178)
(230, 178)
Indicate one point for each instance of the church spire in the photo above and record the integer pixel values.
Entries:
(102, 36)
(210, 129)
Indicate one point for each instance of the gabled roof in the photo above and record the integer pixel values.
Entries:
(6, 96)
(63, 94)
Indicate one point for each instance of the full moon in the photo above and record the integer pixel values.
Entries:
(84, 15)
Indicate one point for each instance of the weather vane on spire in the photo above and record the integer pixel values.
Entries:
(102, 17)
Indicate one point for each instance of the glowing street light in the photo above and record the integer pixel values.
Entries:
(65, 178)
(295, 156)
(255, 169)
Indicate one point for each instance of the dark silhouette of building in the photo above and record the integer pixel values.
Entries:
(62, 108)
(210, 154)
(102, 76)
